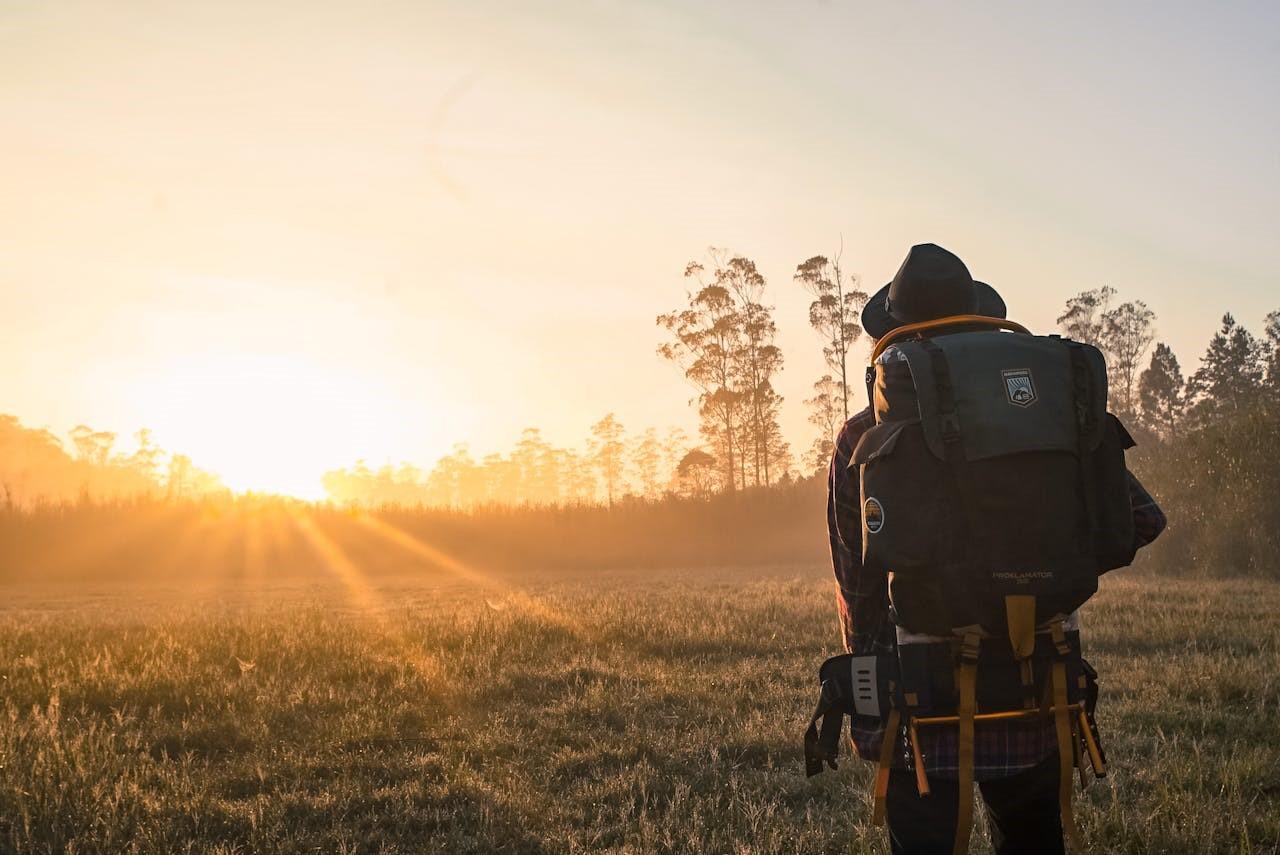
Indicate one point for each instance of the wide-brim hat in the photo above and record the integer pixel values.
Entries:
(931, 283)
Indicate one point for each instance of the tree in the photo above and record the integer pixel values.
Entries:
(1272, 333)
(757, 359)
(502, 479)
(825, 413)
(145, 461)
(180, 476)
(834, 314)
(1082, 320)
(1160, 392)
(606, 453)
(724, 341)
(674, 448)
(579, 480)
(451, 479)
(93, 446)
(539, 481)
(776, 447)
(1126, 334)
(696, 473)
(706, 337)
(1230, 375)
(1123, 333)
(646, 460)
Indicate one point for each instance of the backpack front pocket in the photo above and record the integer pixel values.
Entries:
(904, 524)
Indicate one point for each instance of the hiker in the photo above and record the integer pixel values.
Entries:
(901, 613)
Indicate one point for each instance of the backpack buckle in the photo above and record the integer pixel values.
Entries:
(970, 646)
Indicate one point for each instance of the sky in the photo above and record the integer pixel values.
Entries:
(288, 235)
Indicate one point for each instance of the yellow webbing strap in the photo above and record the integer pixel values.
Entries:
(1095, 750)
(1020, 610)
(917, 759)
(886, 762)
(968, 708)
(1066, 753)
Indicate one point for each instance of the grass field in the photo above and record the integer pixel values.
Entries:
(618, 713)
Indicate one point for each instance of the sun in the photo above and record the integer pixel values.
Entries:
(270, 423)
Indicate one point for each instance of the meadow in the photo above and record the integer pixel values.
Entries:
(609, 712)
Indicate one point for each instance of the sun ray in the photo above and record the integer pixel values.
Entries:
(461, 570)
(364, 596)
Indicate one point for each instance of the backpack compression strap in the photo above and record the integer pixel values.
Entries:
(949, 428)
(1062, 724)
(1020, 612)
(886, 763)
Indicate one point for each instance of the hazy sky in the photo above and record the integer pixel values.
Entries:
(287, 235)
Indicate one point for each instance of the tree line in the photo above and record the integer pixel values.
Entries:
(1238, 373)
(36, 466)
(723, 339)
(611, 466)
(1204, 437)
(1206, 442)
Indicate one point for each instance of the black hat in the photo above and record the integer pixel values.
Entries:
(931, 283)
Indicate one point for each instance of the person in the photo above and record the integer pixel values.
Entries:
(1015, 763)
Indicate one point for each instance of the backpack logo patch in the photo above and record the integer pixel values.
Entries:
(1019, 388)
(873, 514)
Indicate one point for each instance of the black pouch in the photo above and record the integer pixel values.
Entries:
(860, 687)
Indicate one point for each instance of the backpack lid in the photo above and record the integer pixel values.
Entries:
(1013, 393)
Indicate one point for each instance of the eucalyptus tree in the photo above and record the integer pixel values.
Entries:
(646, 461)
(705, 339)
(1122, 332)
(1127, 332)
(607, 454)
(758, 359)
(825, 414)
(834, 314)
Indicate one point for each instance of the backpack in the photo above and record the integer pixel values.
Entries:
(993, 470)
(994, 493)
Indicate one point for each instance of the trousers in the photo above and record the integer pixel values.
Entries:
(1022, 813)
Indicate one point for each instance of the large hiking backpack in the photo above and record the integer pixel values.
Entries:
(994, 493)
(993, 470)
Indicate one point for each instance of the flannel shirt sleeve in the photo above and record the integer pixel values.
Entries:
(862, 595)
(1148, 519)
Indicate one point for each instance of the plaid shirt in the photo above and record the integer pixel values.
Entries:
(1001, 749)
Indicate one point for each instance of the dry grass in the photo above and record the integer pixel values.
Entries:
(610, 713)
